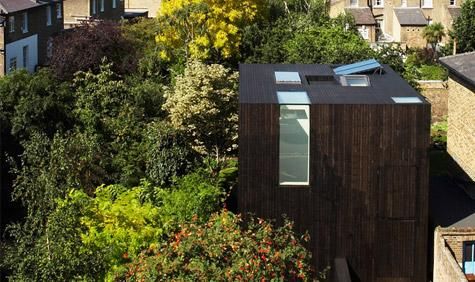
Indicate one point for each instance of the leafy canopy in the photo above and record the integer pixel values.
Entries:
(204, 29)
(464, 31)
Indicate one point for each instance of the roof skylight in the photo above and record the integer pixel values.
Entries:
(355, 80)
(293, 98)
(287, 77)
(406, 100)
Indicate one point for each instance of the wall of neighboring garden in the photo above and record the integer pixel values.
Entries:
(461, 127)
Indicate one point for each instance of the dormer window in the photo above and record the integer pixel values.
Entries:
(24, 23)
(11, 24)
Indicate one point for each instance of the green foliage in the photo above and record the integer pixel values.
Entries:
(432, 72)
(34, 102)
(438, 133)
(464, 33)
(223, 249)
(434, 33)
(203, 102)
(168, 153)
(391, 54)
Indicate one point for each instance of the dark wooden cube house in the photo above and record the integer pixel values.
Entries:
(343, 153)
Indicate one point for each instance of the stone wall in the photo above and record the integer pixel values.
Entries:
(448, 243)
(437, 93)
(461, 127)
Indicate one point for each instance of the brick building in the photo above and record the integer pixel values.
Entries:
(401, 20)
(76, 11)
(26, 32)
(453, 254)
(461, 111)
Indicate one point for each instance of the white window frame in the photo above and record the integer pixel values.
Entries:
(11, 24)
(102, 5)
(24, 22)
(452, 2)
(364, 32)
(49, 20)
(306, 108)
(403, 3)
(354, 3)
(427, 3)
(59, 10)
(378, 3)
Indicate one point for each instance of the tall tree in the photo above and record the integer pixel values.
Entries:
(433, 34)
(464, 31)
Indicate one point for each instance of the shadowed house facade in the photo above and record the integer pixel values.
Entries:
(343, 153)
(26, 32)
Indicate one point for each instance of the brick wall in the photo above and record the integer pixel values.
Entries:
(437, 93)
(448, 243)
(461, 127)
(412, 36)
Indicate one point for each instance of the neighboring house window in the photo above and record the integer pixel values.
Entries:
(294, 138)
(48, 15)
(378, 3)
(452, 2)
(11, 24)
(426, 3)
(13, 64)
(469, 257)
(49, 48)
(24, 23)
(102, 5)
(94, 5)
(26, 56)
(379, 27)
(354, 3)
(59, 11)
(403, 3)
(364, 32)
(114, 4)
(429, 21)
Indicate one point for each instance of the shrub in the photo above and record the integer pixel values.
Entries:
(226, 249)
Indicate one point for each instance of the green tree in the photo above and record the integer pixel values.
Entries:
(433, 34)
(464, 32)
(226, 249)
(203, 102)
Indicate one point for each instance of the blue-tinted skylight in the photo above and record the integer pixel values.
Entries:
(287, 77)
(406, 100)
(293, 98)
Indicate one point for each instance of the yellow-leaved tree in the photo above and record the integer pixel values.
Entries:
(204, 29)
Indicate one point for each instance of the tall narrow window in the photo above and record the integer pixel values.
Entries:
(48, 15)
(11, 24)
(24, 23)
(469, 257)
(294, 138)
(13, 64)
(354, 3)
(59, 10)
(403, 3)
(114, 4)
(102, 5)
(94, 7)
(26, 56)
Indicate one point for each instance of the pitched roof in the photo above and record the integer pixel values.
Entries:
(257, 85)
(410, 16)
(11, 6)
(363, 15)
(462, 66)
(454, 12)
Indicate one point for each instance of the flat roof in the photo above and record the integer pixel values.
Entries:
(257, 85)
